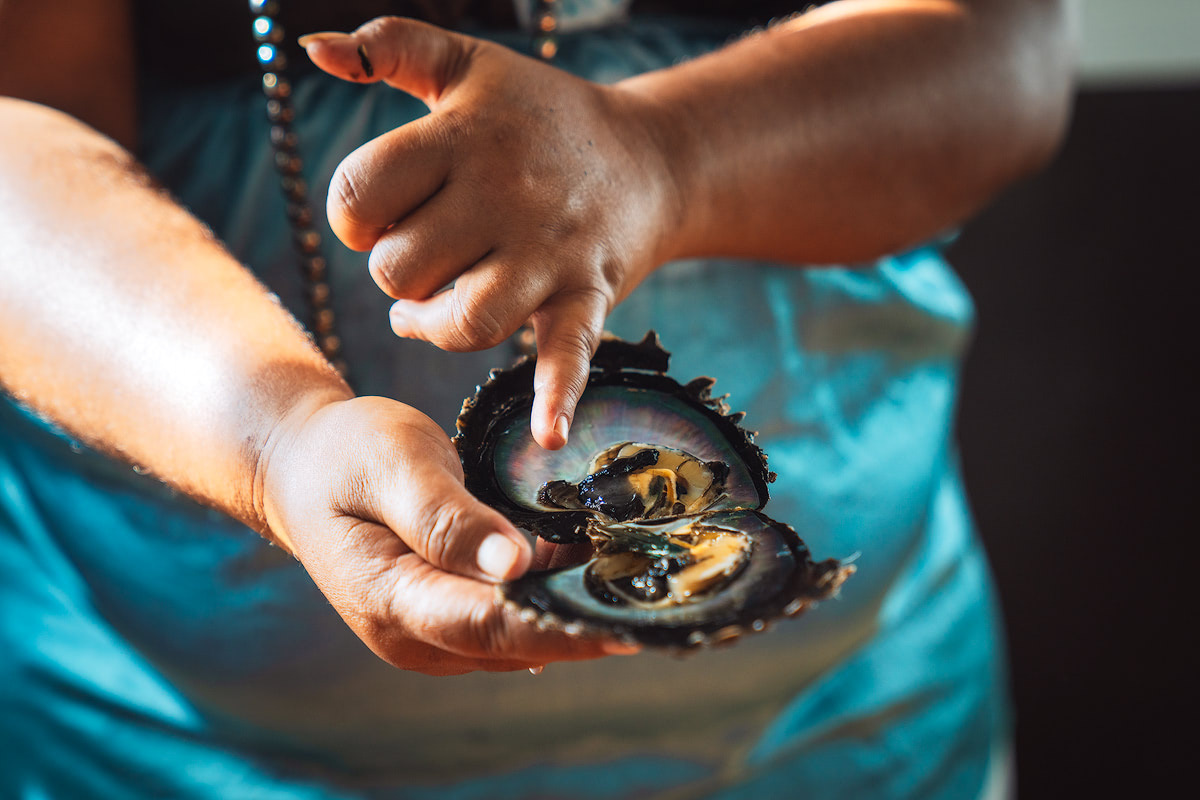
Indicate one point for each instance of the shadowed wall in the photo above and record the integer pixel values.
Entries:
(1078, 425)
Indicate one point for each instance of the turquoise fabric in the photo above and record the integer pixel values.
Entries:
(153, 648)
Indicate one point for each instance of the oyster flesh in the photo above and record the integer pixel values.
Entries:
(666, 486)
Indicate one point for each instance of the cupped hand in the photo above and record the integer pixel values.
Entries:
(368, 494)
(541, 197)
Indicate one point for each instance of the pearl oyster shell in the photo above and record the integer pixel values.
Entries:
(668, 487)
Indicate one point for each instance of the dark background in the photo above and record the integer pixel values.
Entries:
(1079, 440)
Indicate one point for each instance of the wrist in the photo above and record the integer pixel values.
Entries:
(270, 462)
(671, 148)
(673, 131)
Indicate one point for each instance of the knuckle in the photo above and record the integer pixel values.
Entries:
(371, 630)
(487, 633)
(571, 386)
(346, 203)
(576, 342)
(343, 187)
(459, 53)
(382, 266)
(612, 273)
(442, 529)
(587, 306)
(473, 323)
(600, 300)
(558, 227)
(574, 380)
(386, 28)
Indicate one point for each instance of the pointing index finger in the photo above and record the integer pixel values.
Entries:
(568, 330)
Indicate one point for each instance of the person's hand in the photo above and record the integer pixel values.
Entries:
(542, 197)
(368, 494)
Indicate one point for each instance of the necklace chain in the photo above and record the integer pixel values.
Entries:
(268, 36)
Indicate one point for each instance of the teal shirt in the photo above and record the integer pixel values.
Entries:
(154, 648)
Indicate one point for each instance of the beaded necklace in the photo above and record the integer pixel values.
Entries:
(268, 34)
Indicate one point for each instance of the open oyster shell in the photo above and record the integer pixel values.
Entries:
(667, 486)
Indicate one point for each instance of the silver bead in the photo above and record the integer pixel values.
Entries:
(275, 85)
(265, 30)
(271, 57)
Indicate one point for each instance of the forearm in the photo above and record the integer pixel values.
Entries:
(125, 322)
(861, 127)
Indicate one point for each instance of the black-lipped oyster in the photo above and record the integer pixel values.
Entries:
(636, 481)
(664, 483)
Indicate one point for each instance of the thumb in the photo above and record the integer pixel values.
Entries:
(446, 526)
(421, 59)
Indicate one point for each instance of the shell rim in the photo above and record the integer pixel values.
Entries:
(640, 365)
(811, 582)
(509, 392)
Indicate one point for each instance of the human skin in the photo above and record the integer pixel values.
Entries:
(847, 133)
(844, 134)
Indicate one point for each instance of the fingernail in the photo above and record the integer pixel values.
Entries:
(324, 36)
(536, 670)
(497, 556)
(614, 648)
(562, 426)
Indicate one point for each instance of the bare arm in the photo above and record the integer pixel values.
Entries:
(861, 127)
(847, 133)
(125, 321)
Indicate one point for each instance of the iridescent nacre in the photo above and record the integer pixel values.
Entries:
(664, 482)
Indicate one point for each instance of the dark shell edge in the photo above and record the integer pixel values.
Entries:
(811, 583)
(616, 363)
